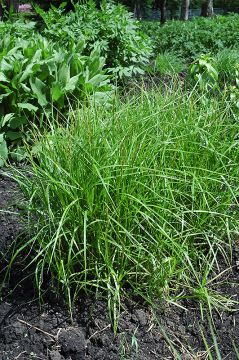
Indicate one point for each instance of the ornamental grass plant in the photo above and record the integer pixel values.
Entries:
(140, 198)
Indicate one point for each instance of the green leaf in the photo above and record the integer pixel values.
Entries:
(2, 96)
(5, 66)
(72, 83)
(29, 71)
(16, 122)
(39, 89)
(19, 154)
(3, 150)
(3, 77)
(26, 88)
(37, 56)
(56, 92)
(27, 106)
(13, 135)
(6, 119)
(98, 80)
(64, 74)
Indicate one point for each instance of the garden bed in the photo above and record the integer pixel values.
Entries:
(127, 204)
(28, 331)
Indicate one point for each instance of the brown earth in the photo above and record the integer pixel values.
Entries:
(30, 331)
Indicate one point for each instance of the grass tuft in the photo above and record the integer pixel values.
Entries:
(138, 197)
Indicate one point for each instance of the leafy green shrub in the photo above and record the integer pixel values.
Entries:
(139, 196)
(204, 72)
(37, 76)
(220, 73)
(15, 29)
(67, 63)
(193, 38)
(113, 31)
(168, 64)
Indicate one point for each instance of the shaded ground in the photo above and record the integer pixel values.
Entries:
(28, 331)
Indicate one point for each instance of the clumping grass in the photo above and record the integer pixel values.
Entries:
(137, 199)
(169, 64)
(226, 62)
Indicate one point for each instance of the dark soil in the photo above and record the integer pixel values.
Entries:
(30, 331)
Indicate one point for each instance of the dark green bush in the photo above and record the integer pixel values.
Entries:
(198, 36)
(112, 30)
(67, 62)
(19, 28)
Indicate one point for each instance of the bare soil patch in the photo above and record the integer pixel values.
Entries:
(30, 331)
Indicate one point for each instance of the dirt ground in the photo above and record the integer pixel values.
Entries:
(30, 331)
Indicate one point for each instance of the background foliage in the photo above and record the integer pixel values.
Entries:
(73, 59)
(113, 31)
(192, 38)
